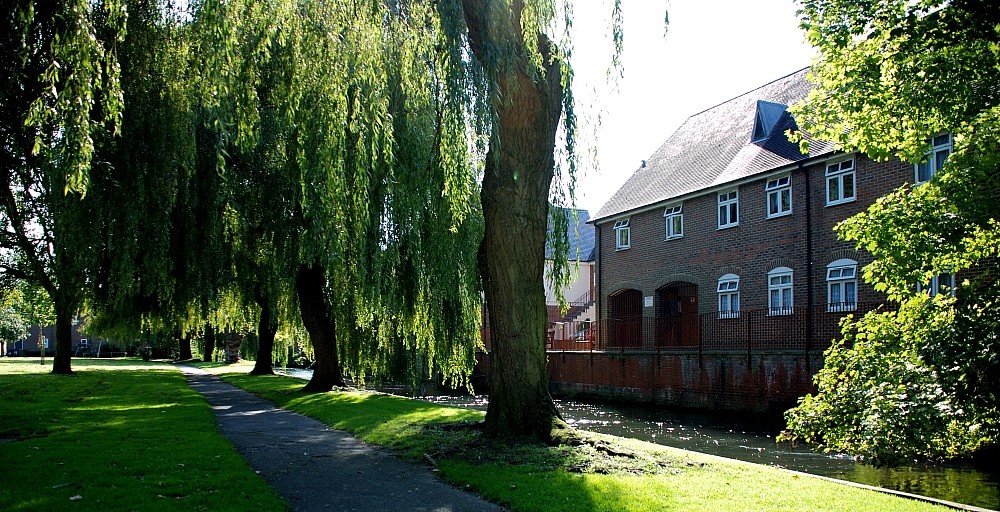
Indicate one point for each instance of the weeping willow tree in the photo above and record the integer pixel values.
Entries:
(338, 112)
(382, 102)
(161, 261)
(60, 93)
(526, 91)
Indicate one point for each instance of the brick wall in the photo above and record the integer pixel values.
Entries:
(721, 380)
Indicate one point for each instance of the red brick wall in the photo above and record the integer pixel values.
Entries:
(771, 382)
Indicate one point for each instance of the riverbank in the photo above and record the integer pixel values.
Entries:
(605, 473)
(750, 439)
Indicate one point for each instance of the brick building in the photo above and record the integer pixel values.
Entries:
(721, 246)
(729, 218)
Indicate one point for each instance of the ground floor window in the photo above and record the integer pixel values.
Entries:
(779, 291)
(842, 285)
(729, 296)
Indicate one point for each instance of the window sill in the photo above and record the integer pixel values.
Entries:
(675, 237)
(842, 201)
(727, 226)
(623, 248)
(779, 215)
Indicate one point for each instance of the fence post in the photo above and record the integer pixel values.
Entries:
(749, 336)
(701, 341)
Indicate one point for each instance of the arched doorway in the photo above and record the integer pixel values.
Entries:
(677, 315)
(625, 318)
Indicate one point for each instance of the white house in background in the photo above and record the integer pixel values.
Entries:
(580, 292)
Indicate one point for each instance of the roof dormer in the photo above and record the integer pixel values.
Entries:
(766, 117)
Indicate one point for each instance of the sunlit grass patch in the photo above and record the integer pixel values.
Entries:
(377, 418)
(122, 435)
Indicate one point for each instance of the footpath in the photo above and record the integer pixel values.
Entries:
(316, 468)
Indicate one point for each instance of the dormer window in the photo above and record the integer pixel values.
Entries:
(623, 235)
(766, 118)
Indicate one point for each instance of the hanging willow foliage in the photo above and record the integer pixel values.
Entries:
(340, 110)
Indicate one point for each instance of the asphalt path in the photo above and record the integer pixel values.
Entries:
(316, 468)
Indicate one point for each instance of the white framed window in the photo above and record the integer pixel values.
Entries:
(934, 160)
(729, 209)
(842, 285)
(779, 196)
(941, 283)
(840, 182)
(623, 235)
(674, 217)
(779, 291)
(729, 296)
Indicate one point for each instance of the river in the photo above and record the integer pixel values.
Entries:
(742, 439)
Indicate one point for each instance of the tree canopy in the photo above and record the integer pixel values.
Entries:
(350, 176)
(890, 79)
(59, 95)
(302, 162)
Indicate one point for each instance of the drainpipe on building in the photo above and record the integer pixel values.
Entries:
(601, 322)
(809, 269)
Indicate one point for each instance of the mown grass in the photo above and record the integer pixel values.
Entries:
(116, 435)
(604, 473)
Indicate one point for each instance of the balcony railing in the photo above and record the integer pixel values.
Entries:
(795, 328)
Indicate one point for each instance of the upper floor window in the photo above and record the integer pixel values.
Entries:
(674, 217)
(941, 283)
(842, 285)
(729, 296)
(934, 160)
(623, 235)
(779, 196)
(779, 291)
(729, 209)
(840, 182)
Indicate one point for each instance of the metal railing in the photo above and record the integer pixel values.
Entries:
(796, 328)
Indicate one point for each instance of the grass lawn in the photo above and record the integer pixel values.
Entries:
(603, 474)
(117, 435)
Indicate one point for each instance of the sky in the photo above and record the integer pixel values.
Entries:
(713, 50)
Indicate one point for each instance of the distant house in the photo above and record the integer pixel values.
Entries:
(718, 255)
(573, 325)
(572, 328)
(81, 344)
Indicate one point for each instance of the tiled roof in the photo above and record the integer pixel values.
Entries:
(713, 147)
(580, 239)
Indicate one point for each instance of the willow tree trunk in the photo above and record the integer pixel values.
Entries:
(209, 343)
(267, 328)
(231, 343)
(184, 346)
(515, 199)
(319, 322)
(62, 361)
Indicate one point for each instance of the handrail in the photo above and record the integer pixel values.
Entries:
(749, 330)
